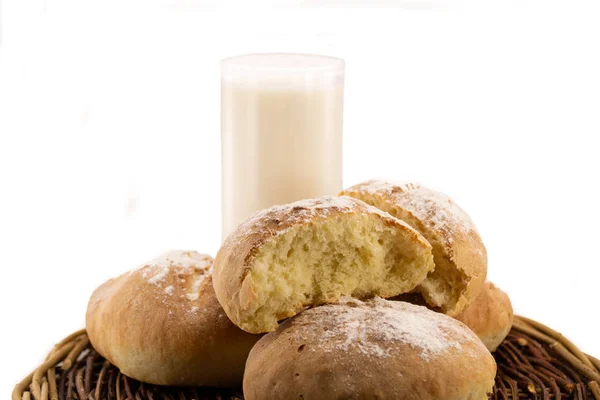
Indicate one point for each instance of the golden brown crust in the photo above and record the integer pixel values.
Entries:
(457, 246)
(490, 316)
(373, 350)
(163, 325)
(235, 256)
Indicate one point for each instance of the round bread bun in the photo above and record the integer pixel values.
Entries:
(314, 251)
(162, 324)
(377, 349)
(458, 251)
(490, 316)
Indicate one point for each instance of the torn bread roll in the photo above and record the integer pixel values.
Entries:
(459, 253)
(286, 258)
(162, 324)
(490, 316)
(376, 349)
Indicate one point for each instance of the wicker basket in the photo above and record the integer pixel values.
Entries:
(534, 362)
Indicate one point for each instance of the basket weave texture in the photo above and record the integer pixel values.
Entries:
(534, 362)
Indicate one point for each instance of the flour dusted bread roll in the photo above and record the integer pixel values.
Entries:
(459, 254)
(162, 324)
(490, 316)
(283, 259)
(376, 349)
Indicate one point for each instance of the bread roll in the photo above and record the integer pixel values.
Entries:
(490, 316)
(378, 349)
(283, 259)
(162, 324)
(459, 254)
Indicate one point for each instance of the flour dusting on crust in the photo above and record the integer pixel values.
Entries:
(277, 220)
(180, 261)
(436, 210)
(173, 271)
(376, 327)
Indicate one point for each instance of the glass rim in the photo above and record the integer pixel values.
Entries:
(281, 64)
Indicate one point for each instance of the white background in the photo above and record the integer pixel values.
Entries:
(110, 143)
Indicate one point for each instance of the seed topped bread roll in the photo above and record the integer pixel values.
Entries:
(490, 316)
(376, 349)
(285, 258)
(459, 254)
(162, 324)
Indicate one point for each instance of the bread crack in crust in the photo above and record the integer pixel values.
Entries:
(287, 258)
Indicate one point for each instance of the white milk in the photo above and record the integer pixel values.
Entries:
(281, 120)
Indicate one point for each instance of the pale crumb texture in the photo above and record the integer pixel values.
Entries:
(302, 211)
(314, 252)
(459, 254)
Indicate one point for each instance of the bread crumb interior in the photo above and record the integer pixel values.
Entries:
(316, 263)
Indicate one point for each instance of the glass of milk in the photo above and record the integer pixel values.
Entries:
(281, 131)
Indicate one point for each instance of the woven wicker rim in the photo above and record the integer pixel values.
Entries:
(534, 362)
